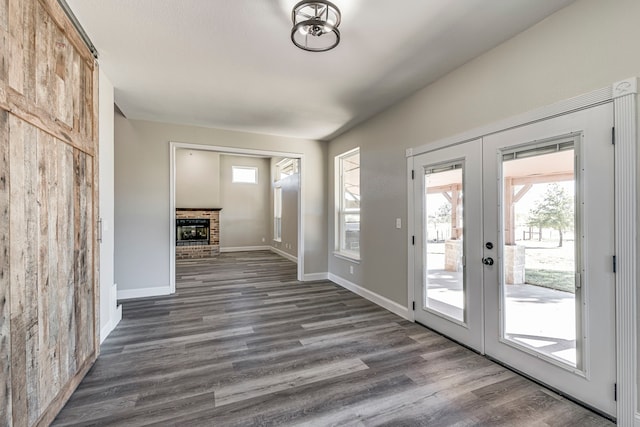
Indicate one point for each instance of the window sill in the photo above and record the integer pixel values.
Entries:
(277, 240)
(347, 257)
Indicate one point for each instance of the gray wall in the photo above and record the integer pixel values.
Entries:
(290, 193)
(142, 195)
(244, 219)
(197, 179)
(586, 46)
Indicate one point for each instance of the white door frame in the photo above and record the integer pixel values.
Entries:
(174, 146)
(623, 95)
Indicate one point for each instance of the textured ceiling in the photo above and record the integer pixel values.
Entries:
(230, 64)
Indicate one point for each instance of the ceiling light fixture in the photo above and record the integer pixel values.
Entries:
(315, 25)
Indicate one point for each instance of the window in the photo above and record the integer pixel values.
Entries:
(285, 168)
(277, 214)
(348, 203)
(244, 174)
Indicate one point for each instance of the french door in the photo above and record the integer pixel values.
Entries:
(448, 193)
(514, 250)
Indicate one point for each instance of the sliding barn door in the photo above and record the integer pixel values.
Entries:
(48, 170)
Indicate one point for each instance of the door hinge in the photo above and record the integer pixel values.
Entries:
(414, 306)
(615, 392)
(613, 135)
(413, 174)
(615, 264)
(99, 230)
(413, 240)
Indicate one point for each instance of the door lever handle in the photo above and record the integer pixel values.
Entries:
(487, 261)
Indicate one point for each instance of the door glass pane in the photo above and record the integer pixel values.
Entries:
(539, 258)
(444, 281)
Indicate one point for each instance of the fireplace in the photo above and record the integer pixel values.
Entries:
(192, 232)
(197, 233)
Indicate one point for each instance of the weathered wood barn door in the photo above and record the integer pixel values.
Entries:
(48, 211)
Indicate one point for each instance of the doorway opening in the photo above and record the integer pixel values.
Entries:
(263, 178)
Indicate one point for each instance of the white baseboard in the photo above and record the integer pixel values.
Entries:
(245, 248)
(375, 298)
(315, 276)
(105, 331)
(284, 254)
(115, 316)
(143, 292)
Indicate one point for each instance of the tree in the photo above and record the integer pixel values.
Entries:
(534, 222)
(441, 216)
(554, 210)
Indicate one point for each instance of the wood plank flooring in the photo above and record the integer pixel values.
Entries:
(242, 343)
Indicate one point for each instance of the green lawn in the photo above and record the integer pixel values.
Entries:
(553, 279)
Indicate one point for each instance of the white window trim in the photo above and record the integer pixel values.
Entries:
(345, 256)
(277, 189)
(339, 189)
(252, 168)
(285, 163)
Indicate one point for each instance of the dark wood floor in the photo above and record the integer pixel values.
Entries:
(242, 343)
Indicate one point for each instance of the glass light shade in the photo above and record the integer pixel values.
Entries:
(315, 25)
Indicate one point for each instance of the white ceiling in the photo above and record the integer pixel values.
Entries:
(230, 64)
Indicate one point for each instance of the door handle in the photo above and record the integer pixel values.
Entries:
(487, 261)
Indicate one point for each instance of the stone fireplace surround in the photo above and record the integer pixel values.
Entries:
(201, 251)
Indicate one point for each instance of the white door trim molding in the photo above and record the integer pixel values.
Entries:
(173, 146)
(623, 95)
(626, 199)
(411, 226)
(560, 108)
